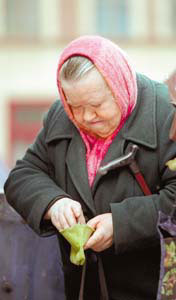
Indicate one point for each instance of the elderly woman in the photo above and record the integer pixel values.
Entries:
(105, 107)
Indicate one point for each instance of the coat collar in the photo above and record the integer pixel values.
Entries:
(141, 125)
(59, 126)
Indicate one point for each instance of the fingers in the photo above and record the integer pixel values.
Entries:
(94, 222)
(67, 218)
(95, 240)
(81, 219)
(78, 213)
(102, 238)
(66, 213)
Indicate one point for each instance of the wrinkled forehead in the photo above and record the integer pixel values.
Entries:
(92, 81)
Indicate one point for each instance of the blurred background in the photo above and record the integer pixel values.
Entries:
(34, 32)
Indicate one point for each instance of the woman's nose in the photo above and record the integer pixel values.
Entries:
(89, 114)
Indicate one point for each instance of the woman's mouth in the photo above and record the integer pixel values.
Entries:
(95, 123)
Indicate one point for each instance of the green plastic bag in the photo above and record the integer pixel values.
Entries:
(172, 164)
(77, 236)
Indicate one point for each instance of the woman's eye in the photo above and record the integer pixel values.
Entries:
(96, 105)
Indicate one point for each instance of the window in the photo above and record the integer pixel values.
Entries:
(25, 122)
(165, 11)
(112, 18)
(133, 19)
(173, 20)
(22, 18)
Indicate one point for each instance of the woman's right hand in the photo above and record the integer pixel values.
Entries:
(65, 213)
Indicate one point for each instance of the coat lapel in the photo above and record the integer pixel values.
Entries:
(62, 128)
(76, 163)
(140, 127)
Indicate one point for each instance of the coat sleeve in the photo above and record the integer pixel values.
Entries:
(29, 189)
(135, 218)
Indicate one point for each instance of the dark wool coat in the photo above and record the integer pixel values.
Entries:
(55, 166)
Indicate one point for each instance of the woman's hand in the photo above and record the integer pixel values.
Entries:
(65, 213)
(102, 238)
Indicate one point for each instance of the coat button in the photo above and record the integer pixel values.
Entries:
(6, 287)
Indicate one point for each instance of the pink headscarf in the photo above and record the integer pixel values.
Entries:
(117, 71)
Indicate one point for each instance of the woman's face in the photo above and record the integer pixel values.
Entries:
(93, 106)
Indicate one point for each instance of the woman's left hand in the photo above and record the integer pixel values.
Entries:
(102, 238)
